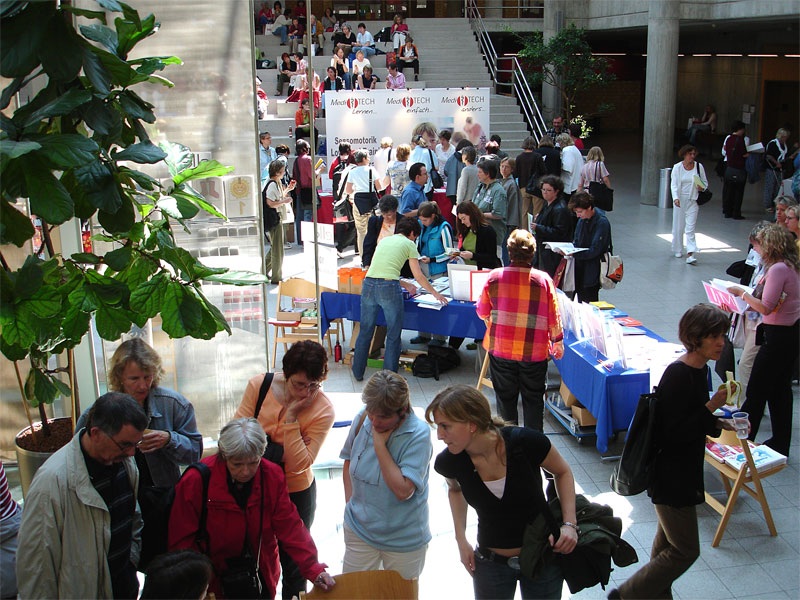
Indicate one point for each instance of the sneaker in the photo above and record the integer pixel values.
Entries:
(436, 343)
(690, 260)
(678, 254)
(420, 340)
(472, 346)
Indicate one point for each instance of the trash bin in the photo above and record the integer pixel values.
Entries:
(664, 192)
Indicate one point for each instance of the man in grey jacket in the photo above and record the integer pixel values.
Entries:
(81, 527)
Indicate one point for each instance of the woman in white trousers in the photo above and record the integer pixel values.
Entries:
(685, 189)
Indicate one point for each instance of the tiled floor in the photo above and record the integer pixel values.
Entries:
(657, 289)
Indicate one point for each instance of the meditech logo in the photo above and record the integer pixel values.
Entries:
(352, 103)
(462, 101)
(408, 102)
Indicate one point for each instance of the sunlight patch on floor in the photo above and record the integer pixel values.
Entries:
(705, 243)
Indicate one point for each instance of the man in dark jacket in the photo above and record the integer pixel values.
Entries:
(593, 232)
(529, 165)
(553, 224)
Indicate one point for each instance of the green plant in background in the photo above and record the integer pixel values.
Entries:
(566, 62)
(73, 152)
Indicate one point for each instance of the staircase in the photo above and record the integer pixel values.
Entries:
(443, 45)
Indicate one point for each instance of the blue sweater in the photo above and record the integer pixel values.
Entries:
(432, 243)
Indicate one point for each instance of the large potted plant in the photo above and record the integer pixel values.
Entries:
(73, 152)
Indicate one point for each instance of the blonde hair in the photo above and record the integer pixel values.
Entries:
(386, 142)
(778, 245)
(595, 153)
(564, 140)
(521, 246)
(138, 351)
(781, 132)
(403, 152)
(464, 404)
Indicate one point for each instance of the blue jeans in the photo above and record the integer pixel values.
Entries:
(494, 581)
(367, 50)
(282, 31)
(376, 294)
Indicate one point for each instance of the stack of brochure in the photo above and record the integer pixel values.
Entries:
(764, 457)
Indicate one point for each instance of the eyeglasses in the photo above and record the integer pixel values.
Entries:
(311, 386)
(127, 447)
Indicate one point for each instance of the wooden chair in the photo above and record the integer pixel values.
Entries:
(483, 380)
(368, 585)
(740, 479)
(289, 332)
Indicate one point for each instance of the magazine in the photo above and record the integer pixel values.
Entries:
(764, 458)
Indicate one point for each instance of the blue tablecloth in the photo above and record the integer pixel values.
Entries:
(610, 395)
(457, 318)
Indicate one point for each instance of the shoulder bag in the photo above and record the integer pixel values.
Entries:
(271, 216)
(635, 469)
(274, 451)
(602, 194)
(732, 174)
(703, 197)
(366, 201)
(611, 268)
(436, 179)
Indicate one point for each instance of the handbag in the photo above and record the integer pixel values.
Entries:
(271, 216)
(242, 578)
(635, 469)
(602, 194)
(733, 175)
(703, 197)
(611, 269)
(366, 201)
(436, 179)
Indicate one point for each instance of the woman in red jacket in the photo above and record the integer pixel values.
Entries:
(247, 503)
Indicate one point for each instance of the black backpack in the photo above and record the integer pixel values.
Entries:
(438, 360)
(272, 217)
(635, 470)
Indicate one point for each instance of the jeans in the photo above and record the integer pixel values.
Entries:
(496, 581)
(514, 377)
(376, 294)
(772, 185)
(282, 31)
(367, 50)
(692, 131)
(306, 503)
(9, 528)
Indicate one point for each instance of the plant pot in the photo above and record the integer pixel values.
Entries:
(29, 461)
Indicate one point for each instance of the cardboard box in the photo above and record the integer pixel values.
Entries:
(567, 396)
(347, 359)
(289, 314)
(583, 416)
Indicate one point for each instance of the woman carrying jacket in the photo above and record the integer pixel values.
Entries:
(593, 232)
(685, 190)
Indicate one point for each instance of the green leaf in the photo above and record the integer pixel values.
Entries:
(83, 207)
(100, 34)
(143, 180)
(207, 168)
(143, 152)
(83, 299)
(121, 220)
(118, 259)
(111, 323)
(178, 157)
(49, 198)
(63, 388)
(76, 323)
(61, 53)
(122, 74)
(133, 31)
(15, 227)
(198, 199)
(237, 278)
(180, 260)
(162, 80)
(151, 64)
(102, 118)
(136, 107)
(83, 12)
(62, 105)
(136, 272)
(15, 149)
(86, 258)
(216, 314)
(96, 72)
(131, 14)
(9, 92)
(201, 271)
(101, 188)
(112, 5)
(11, 351)
(22, 34)
(180, 312)
(177, 207)
(29, 278)
(45, 303)
(148, 297)
(68, 150)
(39, 388)
(17, 330)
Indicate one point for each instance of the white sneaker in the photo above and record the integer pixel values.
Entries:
(690, 260)
(678, 254)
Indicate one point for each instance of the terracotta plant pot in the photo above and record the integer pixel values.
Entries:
(29, 460)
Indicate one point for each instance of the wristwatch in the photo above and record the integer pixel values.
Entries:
(573, 525)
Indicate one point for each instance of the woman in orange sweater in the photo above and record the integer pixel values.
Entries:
(296, 416)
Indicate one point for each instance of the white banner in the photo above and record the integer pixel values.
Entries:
(362, 118)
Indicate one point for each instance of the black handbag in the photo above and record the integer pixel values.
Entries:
(271, 216)
(436, 179)
(703, 197)
(274, 451)
(602, 194)
(636, 467)
(366, 201)
(733, 175)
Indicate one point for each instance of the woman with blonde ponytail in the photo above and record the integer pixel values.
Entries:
(496, 469)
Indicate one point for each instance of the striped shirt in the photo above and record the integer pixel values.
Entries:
(520, 303)
(8, 507)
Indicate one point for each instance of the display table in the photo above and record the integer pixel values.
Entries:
(457, 318)
(609, 393)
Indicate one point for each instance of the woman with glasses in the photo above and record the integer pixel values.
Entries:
(296, 415)
(386, 463)
(170, 440)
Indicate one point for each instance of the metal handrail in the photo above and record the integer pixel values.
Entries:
(519, 83)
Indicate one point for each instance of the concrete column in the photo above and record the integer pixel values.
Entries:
(659, 102)
(494, 9)
(552, 103)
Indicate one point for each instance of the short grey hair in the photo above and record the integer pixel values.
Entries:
(564, 140)
(387, 393)
(785, 200)
(242, 438)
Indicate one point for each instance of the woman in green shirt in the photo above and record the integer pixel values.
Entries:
(491, 199)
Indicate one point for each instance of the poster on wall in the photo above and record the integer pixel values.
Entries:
(363, 118)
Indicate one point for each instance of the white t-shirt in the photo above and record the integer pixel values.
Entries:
(442, 156)
(359, 177)
(357, 66)
(381, 160)
(571, 164)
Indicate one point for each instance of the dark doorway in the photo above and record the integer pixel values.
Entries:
(421, 8)
(781, 107)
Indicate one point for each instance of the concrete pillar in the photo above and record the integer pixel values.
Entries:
(659, 102)
(493, 9)
(552, 103)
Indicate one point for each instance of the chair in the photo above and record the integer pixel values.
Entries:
(368, 585)
(483, 380)
(740, 480)
(288, 332)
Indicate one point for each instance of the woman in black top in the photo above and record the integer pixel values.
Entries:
(553, 224)
(684, 416)
(474, 232)
(551, 155)
(498, 474)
